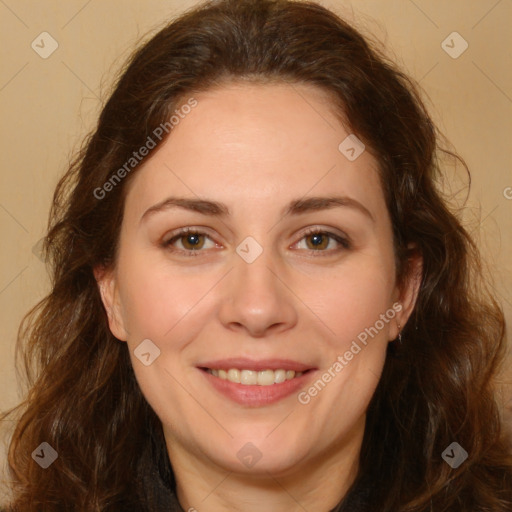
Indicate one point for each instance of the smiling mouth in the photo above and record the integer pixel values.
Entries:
(254, 378)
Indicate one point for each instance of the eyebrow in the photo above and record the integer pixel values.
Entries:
(295, 207)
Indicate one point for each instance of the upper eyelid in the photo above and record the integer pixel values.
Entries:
(183, 231)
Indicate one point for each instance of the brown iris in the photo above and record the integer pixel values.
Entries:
(320, 241)
(196, 241)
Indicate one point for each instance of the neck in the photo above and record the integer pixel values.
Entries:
(315, 484)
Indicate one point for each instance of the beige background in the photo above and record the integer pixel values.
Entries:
(48, 105)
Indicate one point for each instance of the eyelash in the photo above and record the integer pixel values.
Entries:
(344, 242)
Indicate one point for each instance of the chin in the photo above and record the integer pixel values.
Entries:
(259, 455)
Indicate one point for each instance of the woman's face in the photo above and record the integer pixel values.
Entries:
(292, 268)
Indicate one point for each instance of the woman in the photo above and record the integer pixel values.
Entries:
(260, 300)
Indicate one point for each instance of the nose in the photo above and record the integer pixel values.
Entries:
(257, 299)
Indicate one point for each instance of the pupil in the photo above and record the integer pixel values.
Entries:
(317, 239)
(193, 237)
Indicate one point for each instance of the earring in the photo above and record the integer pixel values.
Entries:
(399, 334)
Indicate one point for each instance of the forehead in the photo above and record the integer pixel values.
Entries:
(251, 143)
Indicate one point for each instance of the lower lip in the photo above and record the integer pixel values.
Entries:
(256, 396)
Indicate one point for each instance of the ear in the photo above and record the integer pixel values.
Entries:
(107, 284)
(407, 293)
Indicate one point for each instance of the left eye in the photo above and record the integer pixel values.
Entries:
(192, 241)
(321, 239)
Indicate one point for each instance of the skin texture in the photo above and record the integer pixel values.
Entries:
(256, 148)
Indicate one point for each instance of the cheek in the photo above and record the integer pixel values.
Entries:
(155, 299)
(352, 298)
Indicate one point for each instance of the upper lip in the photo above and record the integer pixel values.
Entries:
(259, 365)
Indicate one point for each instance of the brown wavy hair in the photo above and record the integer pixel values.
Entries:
(436, 388)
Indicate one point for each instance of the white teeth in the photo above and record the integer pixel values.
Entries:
(279, 376)
(251, 377)
(266, 378)
(234, 375)
(248, 377)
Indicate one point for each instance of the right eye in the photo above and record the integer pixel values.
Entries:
(192, 241)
